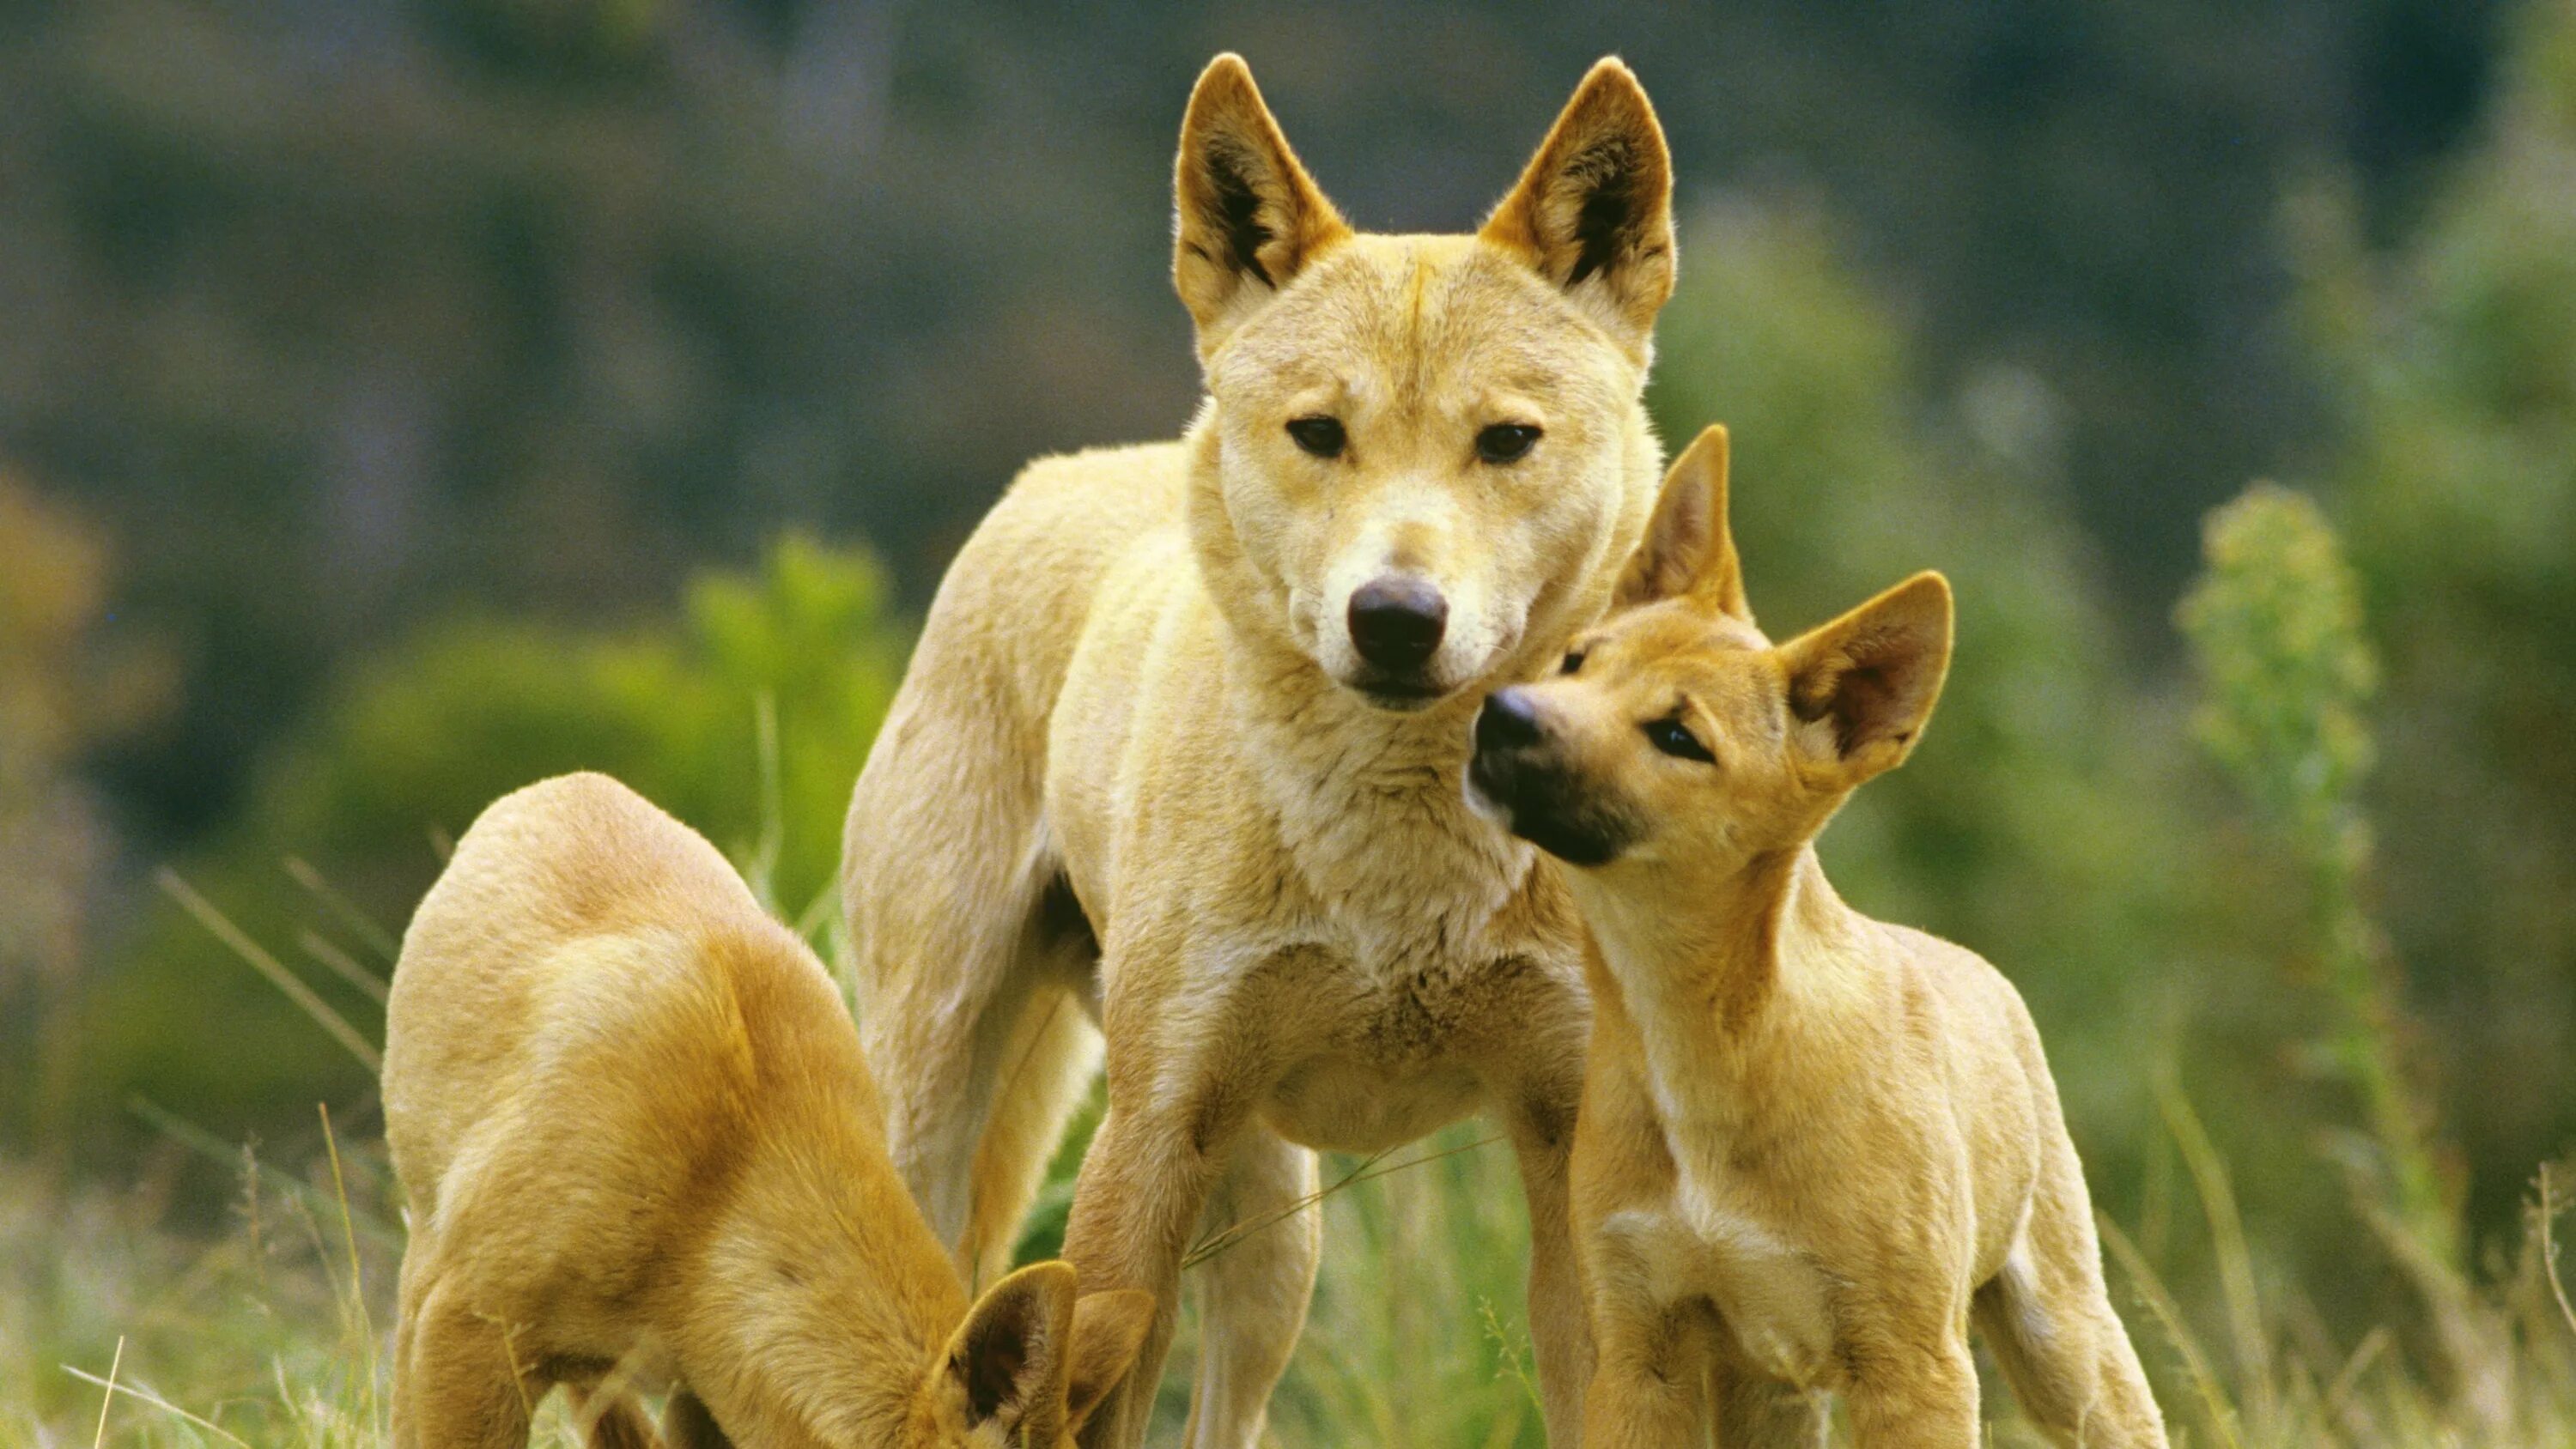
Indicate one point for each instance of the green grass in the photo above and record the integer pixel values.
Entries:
(275, 1329)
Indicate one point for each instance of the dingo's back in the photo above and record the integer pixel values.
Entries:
(640, 1145)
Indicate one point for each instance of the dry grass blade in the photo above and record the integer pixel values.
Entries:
(105, 1399)
(2549, 1250)
(2160, 1301)
(1367, 1171)
(2235, 1258)
(156, 1401)
(344, 966)
(378, 939)
(349, 1240)
(267, 965)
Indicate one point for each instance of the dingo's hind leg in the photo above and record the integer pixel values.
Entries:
(1048, 1058)
(1254, 1290)
(966, 944)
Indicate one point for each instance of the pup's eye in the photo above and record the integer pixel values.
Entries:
(1506, 442)
(1320, 436)
(1674, 738)
(1573, 663)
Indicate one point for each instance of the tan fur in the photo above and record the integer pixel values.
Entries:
(641, 1149)
(1131, 776)
(1813, 1147)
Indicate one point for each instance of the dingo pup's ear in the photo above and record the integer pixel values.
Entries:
(1594, 210)
(1108, 1329)
(1868, 680)
(1011, 1355)
(1688, 548)
(1250, 217)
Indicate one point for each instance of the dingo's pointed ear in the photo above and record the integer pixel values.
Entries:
(1108, 1329)
(1011, 1354)
(1249, 215)
(1869, 678)
(1688, 548)
(1594, 210)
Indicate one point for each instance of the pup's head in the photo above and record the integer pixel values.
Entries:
(1029, 1364)
(1421, 453)
(1676, 731)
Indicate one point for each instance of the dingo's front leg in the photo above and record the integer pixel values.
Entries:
(1135, 1207)
(1560, 1324)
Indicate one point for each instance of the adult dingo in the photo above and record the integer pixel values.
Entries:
(1179, 759)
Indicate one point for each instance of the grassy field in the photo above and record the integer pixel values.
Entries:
(274, 1330)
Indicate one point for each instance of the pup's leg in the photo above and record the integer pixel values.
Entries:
(1560, 1323)
(1758, 1413)
(412, 1287)
(1918, 1400)
(2048, 1321)
(1650, 1384)
(460, 1388)
(616, 1422)
(945, 877)
(1253, 1293)
(686, 1424)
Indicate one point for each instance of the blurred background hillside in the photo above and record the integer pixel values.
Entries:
(403, 399)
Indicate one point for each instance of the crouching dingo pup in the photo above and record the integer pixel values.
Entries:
(640, 1148)
(1181, 750)
(1812, 1146)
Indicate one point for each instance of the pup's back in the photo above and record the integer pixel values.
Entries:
(577, 920)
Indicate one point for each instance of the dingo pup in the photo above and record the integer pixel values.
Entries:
(1812, 1146)
(641, 1148)
(1180, 752)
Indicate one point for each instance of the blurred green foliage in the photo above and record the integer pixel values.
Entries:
(2453, 363)
(65, 682)
(342, 316)
(401, 757)
(2285, 669)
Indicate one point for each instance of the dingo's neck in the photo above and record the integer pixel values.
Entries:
(1372, 805)
(1724, 973)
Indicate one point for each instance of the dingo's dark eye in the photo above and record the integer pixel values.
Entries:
(1320, 436)
(1506, 442)
(1573, 662)
(1674, 738)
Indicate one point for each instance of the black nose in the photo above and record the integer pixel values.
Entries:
(1396, 622)
(1509, 721)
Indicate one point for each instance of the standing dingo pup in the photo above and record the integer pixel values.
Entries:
(1180, 752)
(640, 1147)
(1812, 1146)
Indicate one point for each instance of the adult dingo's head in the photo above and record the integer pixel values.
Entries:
(1422, 457)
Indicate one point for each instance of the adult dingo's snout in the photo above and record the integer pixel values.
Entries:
(1396, 623)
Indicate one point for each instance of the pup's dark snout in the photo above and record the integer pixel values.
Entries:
(1396, 622)
(1509, 721)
